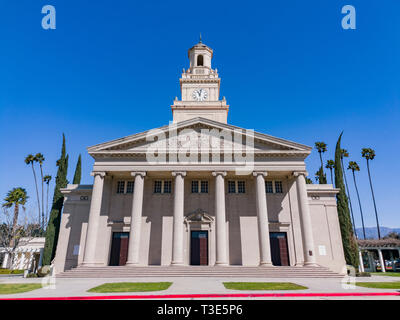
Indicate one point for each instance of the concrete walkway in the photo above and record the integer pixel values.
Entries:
(78, 287)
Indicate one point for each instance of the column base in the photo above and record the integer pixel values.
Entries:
(132, 264)
(176, 263)
(265, 264)
(310, 264)
(221, 264)
(91, 264)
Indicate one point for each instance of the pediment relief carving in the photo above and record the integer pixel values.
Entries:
(198, 216)
(205, 133)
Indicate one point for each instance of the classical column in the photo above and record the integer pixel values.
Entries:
(381, 260)
(220, 219)
(308, 239)
(177, 233)
(136, 219)
(361, 261)
(262, 214)
(94, 216)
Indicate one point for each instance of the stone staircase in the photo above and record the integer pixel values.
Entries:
(199, 271)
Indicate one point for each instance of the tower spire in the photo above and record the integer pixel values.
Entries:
(200, 38)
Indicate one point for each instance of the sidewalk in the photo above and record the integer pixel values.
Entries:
(181, 286)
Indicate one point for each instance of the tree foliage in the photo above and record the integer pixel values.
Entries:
(350, 246)
(78, 171)
(53, 227)
(321, 148)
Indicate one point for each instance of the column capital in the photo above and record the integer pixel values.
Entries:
(137, 173)
(217, 173)
(100, 173)
(179, 173)
(298, 173)
(257, 173)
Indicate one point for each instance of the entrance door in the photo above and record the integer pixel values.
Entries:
(199, 248)
(279, 248)
(119, 248)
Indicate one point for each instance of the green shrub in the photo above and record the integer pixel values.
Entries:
(32, 275)
(363, 274)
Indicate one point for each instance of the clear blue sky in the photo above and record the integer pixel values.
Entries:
(111, 69)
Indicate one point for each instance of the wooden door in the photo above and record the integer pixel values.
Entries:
(279, 249)
(199, 248)
(119, 249)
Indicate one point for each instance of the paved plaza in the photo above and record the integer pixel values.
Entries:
(197, 285)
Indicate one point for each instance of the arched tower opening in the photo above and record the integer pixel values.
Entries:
(200, 60)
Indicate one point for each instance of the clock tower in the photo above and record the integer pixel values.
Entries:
(200, 86)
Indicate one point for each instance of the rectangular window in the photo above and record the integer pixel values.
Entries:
(195, 186)
(268, 187)
(204, 186)
(167, 186)
(130, 186)
(278, 186)
(241, 187)
(157, 186)
(231, 187)
(121, 187)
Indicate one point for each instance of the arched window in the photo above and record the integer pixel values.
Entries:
(200, 60)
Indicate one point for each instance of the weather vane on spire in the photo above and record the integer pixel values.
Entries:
(200, 37)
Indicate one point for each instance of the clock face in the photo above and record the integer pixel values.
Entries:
(200, 95)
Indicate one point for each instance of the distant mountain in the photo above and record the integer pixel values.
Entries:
(372, 232)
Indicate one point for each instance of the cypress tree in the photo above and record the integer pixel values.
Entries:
(53, 227)
(350, 246)
(78, 171)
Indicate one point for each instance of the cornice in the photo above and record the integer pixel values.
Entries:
(142, 152)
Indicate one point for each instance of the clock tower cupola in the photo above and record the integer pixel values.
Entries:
(200, 85)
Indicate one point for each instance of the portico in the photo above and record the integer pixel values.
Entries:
(218, 225)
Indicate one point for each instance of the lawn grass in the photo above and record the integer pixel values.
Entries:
(10, 288)
(9, 271)
(387, 274)
(263, 286)
(379, 285)
(131, 287)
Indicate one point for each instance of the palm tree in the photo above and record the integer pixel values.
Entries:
(369, 154)
(40, 158)
(330, 164)
(47, 179)
(15, 197)
(321, 148)
(353, 166)
(30, 160)
(344, 154)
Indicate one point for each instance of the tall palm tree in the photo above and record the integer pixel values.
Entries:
(369, 154)
(30, 160)
(47, 179)
(345, 154)
(15, 197)
(353, 166)
(321, 148)
(40, 159)
(330, 164)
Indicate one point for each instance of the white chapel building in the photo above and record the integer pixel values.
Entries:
(199, 192)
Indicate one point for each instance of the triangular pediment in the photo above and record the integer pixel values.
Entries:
(207, 132)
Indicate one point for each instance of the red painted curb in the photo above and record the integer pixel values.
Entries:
(233, 295)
